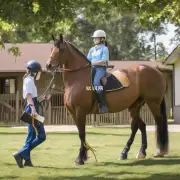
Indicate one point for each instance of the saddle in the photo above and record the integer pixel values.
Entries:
(114, 80)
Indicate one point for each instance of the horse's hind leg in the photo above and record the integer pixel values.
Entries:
(142, 152)
(134, 128)
(159, 113)
(136, 123)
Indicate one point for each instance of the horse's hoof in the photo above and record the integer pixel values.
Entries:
(85, 158)
(123, 156)
(140, 155)
(78, 162)
(158, 155)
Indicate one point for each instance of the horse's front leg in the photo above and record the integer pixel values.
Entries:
(81, 122)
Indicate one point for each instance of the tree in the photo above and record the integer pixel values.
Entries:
(161, 52)
(161, 11)
(176, 38)
(36, 20)
(122, 35)
(42, 16)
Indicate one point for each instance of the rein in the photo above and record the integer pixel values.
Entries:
(63, 70)
(74, 70)
(51, 85)
(43, 98)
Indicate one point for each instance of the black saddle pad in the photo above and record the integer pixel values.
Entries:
(112, 84)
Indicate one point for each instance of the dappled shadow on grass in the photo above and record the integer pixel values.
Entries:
(55, 168)
(148, 162)
(10, 164)
(83, 177)
(152, 162)
(9, 177)
(113, 176)
(102, 174)
(43, 167)
(159, 176)
(162, 176)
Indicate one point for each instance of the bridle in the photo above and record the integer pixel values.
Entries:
(57, 66)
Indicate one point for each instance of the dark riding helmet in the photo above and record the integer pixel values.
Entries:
(33, 66)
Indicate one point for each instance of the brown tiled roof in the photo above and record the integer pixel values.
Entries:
(36, 51)
(41, 52)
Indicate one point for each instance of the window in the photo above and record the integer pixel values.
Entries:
(7, 86)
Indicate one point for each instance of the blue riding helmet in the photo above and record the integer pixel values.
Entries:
(34, 66)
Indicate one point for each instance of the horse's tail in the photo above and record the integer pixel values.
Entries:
(163, 128)
(164, 78)
(163, 125)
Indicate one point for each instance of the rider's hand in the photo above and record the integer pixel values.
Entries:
(33, 111)
(93, 63)
(48, 97)
(97, 63)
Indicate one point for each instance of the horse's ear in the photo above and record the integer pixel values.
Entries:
(61, 37)
(53, 37)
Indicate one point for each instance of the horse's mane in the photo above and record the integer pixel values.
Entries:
(77, 50)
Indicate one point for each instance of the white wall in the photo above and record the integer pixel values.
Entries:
(177, 83)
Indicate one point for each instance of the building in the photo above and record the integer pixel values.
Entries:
(12, 70)
(173, 60)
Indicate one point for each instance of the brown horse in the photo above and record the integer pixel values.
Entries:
(146, 85)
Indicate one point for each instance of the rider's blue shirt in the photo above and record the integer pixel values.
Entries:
(99, 53)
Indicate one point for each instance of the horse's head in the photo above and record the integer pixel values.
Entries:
(57, 57)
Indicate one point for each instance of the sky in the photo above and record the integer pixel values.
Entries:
(165, 39)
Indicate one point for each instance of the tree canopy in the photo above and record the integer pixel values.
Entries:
(36, 20)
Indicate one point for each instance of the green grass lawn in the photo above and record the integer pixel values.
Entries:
(54, 159)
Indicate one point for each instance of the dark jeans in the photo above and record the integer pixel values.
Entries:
(32, 141)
